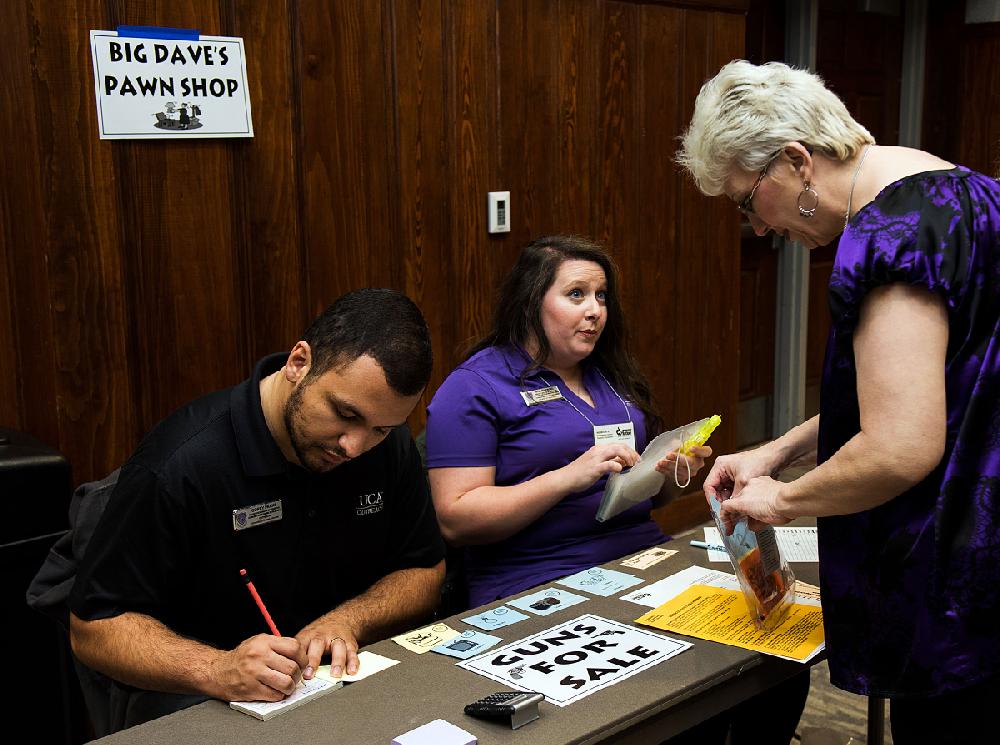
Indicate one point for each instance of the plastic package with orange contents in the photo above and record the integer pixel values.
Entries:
(767, 582)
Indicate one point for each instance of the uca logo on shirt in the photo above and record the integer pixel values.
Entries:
(369, 504)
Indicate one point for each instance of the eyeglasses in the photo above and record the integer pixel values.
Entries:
(746, 206)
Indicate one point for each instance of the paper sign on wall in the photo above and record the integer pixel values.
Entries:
(193, 86)
(576, 658)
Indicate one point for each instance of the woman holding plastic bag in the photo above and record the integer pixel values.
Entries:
(908, 437)
(522, 435)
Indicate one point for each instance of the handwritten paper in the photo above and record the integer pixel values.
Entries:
(648, 558)
(806, 593)
(720, 615)
(425, 639)
(307, 691)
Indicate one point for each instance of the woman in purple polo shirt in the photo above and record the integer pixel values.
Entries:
(522, 435)
(908, 437)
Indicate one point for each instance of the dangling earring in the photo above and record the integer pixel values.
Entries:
(807, 211)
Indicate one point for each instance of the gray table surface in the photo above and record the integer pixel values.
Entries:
(646, 708)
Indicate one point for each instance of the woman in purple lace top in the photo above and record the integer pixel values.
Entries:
(908, 437)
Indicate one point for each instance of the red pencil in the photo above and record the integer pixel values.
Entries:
(260, 603)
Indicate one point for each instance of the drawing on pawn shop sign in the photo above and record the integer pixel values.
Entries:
(184, 117)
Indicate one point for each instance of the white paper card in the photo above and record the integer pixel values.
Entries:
(369, 663)
(796, 543)
(656, 594)
(307, 691)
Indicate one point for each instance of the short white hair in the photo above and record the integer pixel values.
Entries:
(747, 113)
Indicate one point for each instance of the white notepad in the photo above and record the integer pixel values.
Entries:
(309, 690)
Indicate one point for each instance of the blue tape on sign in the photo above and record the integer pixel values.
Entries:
(159, 32)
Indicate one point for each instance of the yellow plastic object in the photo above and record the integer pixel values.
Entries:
(701, 436)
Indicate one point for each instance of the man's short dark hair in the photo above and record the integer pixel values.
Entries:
(383, 324)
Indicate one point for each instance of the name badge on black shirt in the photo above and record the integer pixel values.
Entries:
(256, 514)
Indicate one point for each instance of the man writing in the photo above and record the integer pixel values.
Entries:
(304, 476)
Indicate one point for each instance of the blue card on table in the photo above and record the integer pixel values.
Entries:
(467, 644)
(495, 619)
(598, 581)
(546, 602)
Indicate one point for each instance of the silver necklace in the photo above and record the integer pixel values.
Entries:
(608, 383)
(854, 180)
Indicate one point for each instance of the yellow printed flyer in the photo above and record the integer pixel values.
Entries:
(720, 615)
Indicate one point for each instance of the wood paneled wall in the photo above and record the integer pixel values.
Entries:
(977, 138)
(138, 275)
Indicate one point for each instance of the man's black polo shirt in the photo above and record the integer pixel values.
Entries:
(176, 531)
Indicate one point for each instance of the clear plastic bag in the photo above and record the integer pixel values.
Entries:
(767, 581)
(642, 481)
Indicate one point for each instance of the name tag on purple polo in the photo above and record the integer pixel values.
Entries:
(607, 433)
(541, 395)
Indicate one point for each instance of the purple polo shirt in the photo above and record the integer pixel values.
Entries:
(478, 418)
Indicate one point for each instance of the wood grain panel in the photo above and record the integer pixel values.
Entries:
(979, 141)
(529, 120)
(471, 132)
(759, 277)
(347, 151)
(83, 251)
(526, 159)
(268, 246)
(616, 192)
(578, 82)
(23, 227)
(706, 303)
(152, 273)
(66, 288)
(867, 83)
(708, 253)
(941, 131)
(654, 284)
(424, 198)
(183, 293)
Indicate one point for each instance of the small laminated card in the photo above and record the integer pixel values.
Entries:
(425, 639)
(467, 644)
(495, 618)
(547, 602)
(598, 581)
